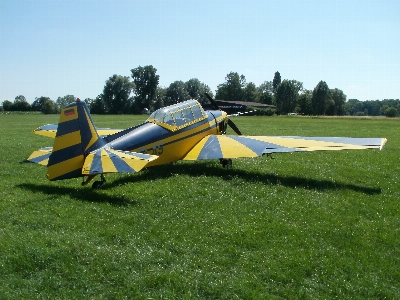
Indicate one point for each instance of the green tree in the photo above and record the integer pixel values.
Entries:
(205, 89)
(116, 94)
(222, 92)
(330, 107)
(49, 107)
(197, 90)
(251, 93)
(304, 103)
(38, 103)
(391, 112)
(20, 104)
(7, 105)
(145, 82)
(176, 93)
(286, 97)
(339, 99)
(352, 106)
(320, 98)
(384, 107)
(267, 86)
(64, 101)
(388, 103)
(276, 81)
(193, 87)
(373, 107)
(160, 98)
(298, 85)
(265, 93)
(97, 106)
(232, 88)
(89, 101)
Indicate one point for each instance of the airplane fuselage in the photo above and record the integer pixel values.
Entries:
(169, 146)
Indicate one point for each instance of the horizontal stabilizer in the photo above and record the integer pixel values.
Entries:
(115, 161)
(41, 156)
(50, 130)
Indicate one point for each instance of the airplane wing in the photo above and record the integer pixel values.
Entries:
(50, 130)
(233, 146)
(115, 161)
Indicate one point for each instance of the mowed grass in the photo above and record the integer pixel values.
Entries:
(316, 225)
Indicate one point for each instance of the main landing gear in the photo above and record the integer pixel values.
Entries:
(226, 162)
(97, 184)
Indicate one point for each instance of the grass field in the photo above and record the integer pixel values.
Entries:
(318, 225)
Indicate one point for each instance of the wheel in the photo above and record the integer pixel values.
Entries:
(97, 184)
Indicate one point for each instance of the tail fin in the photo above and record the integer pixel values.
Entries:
(76, 134)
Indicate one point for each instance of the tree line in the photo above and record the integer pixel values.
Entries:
(141, 91)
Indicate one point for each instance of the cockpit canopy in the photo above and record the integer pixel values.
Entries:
(177, 116)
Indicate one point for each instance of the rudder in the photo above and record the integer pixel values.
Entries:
(76, 134)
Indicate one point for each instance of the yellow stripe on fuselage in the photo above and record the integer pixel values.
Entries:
(104, 132)
(216, 121)
(87, 164)
(176, 146)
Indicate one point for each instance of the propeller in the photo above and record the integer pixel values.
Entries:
(230, 122)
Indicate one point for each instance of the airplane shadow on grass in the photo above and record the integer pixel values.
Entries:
(79, 193)
(212, 170)
(209, 169)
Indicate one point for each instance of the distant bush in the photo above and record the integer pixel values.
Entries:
(391, 112)
(261, 111)
(20, 112)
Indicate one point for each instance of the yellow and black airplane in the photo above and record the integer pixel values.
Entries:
(183, 131)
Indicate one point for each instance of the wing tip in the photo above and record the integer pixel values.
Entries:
(383, 142)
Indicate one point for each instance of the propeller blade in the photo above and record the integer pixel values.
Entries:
(212, 101)
(230, 122)
(234, 127)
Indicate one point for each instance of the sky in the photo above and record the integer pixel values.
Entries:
(55, 48)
